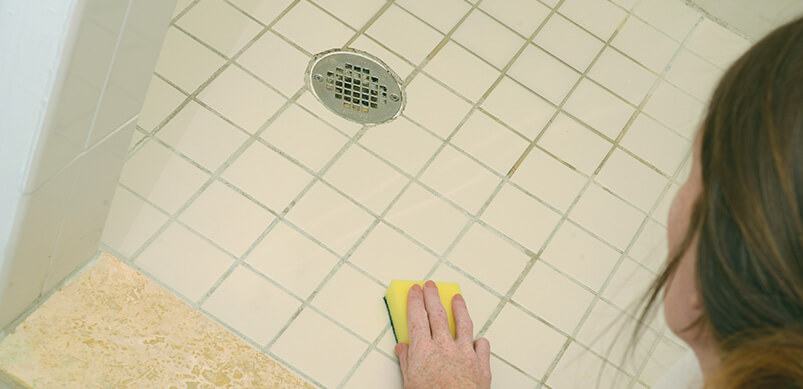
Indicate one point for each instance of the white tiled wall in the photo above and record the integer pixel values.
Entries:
(534, 164)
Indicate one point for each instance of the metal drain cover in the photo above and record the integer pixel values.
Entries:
(356, 85)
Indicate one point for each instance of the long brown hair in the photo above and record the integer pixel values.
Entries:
(748, 219)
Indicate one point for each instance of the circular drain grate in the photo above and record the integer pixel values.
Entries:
(356, 86)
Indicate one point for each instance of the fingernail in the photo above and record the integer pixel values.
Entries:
(458, 297)
(416, 288)
(431, 284)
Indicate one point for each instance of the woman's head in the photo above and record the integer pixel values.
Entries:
(735, 271)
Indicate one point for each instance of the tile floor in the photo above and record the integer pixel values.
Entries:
(534, 164)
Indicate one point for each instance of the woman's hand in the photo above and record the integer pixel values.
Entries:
(433, 359)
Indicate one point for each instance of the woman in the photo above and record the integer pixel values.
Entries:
(733, 285)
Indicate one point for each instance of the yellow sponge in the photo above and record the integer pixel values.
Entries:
(396, 301)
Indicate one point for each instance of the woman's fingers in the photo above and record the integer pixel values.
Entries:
(401, 352)
(438, 322)
(483, 349)
(464, 327)
(417, 322)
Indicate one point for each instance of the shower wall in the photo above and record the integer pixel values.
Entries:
(753, 18)
(74, 76)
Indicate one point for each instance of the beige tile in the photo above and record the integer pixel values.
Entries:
(292, 260)
(427, 218)
(628, 284)
(220, 25)
(524, 16)
(521, 217)
(488, 38)
(327, 34)
(443, 15)
(553, 80)
(632, 180)
(308, 101)
(505, 101)
(490, 142)
(675, 109)
(694, 75)
(627, 4)
(252, 305)
(388, 344)
(388, 255)
(578, 146)
(462, 71)
(480, 302)
(396, 63)
(138, 137)
(549, 179)
(650, 248)
(267, 176)
(130, 223)
(404, 34)
(645, 44)
(180, 6)
(355, 301)
(434, 107)
(186, 62)
(241, 98)
(674, 18)
(622, 75)
(276, 62)
(160, 101)
(162, 177)
(661, 213)
(568, 42)
(304, 137)
(600, 17)
(374, 369)
(366, 178)
(227, 218)
(553, 297)
(514, 335)
(599, 108)
(580, 255)
(655, 143)
(460, 179)
(578, 368)
(264, 11)
(402, 143)
(177, 252)
(489, 258)
(330, 218)
(665, 356)
(354, 12)
(201, 135)
(319, 348)
(505, 376)
(607, 216)
(716, 44)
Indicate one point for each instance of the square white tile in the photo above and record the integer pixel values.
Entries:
(694, 75)
(354, 12)
(130, 223)
(506, 376)
(267, 176)
(490, 142)
(404, 34)
(549, 179)
(656, 144)
(442, 15)
(252, 305)
(672, 17)
(201, 135)
(186, 62)
(480, 302)
(599, 108)
(327, 34)
(242, 99)
(177, 252)
(628, 284)
(568, 42)
(544, 74)
(632, 180)
(661, 213)
(227, 218)
(521, 217)
(488, 38)
(579, 368)
(264, 11)
(304, 137)
(401, 66)
(461, 179)
(514, 335)
(220, 25)
(650, 248)
(600, 17)
(273, 60)
(427, 218)
(308, 101)
(524, 16)
(578, 146)
(539, 293)
(675, 109)
(716, 44)
(622, 75)
(505, 101)
(331, 218)
(355, 301)
(387, 254)
(664, 357)
(366, 178)
(402, 143)
(607, 216)
(433, 106)
(162, 177)
(584, 257)
(291, 259)
(645, 44)
(462, 71)
(311, 344)
(489, 257)
(160, 101)
(376, 368)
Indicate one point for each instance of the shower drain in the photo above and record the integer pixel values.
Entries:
(356, 85)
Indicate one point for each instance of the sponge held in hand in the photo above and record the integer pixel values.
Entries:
(396, 302)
